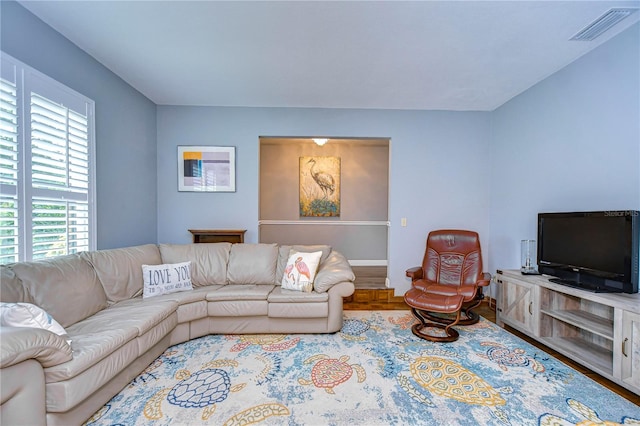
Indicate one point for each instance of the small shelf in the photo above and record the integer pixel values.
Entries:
(595, 324)
(595, 357)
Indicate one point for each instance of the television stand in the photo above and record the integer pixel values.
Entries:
(594, 329)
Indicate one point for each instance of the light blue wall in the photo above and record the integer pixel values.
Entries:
(570, 143)
(439, 171)
(125, 126)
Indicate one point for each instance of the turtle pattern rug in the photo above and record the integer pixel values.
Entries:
(373, 372)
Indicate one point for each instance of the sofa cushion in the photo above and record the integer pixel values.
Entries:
(283, 256)
(298, 310)
(252, 264)
(186, 297)
(142, 314)
(192, 311)
(120, 270)
(66, 287)
(238, 308)
(241, 292)
(166, 279)
(63, 395)
(192, 305)
(208, 260)
(282, 295)
(92, 344)
(300, 271)
(11, 288)
(104, 333)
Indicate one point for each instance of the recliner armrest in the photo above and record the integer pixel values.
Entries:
(415, 273)
(486, 279)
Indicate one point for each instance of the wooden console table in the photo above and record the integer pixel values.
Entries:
(218, 235)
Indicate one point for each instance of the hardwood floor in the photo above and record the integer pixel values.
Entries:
(384, 299)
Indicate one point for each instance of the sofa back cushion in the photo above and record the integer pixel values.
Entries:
(11, 288)
(252, 264)
(120, 270)
(208, 260)
(66, 287)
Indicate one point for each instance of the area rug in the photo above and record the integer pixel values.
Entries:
(373, 372)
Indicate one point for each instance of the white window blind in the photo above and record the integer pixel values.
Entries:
(8, 169)
(46, 167)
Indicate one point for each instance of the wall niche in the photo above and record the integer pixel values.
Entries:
(360, 230)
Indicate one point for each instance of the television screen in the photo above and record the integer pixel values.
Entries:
(596, 251)
(599, 243)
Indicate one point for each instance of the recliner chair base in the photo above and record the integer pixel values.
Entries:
(451, 333)
(467, 318)
(423, 303)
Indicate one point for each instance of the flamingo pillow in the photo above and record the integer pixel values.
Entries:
(301, 270)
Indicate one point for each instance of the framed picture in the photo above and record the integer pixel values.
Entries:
(319, 186)
(207, 168)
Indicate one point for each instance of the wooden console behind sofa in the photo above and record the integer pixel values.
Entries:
(218, 235)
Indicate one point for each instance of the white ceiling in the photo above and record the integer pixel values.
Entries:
(444, 55)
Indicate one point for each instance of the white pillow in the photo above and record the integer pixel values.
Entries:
(300, 271)
(165, 279)
(29, 315)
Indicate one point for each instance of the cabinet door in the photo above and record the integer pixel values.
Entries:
(517, 304)
(630, 350)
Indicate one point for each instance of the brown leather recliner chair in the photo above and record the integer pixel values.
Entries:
(448, 285)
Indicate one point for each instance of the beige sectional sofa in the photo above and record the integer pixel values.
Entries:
(116, 333)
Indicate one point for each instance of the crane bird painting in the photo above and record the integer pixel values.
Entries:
(320, 186)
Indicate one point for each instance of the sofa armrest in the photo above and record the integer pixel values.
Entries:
(334, 270)
(22, 343)
(22, 394)
(342, 289)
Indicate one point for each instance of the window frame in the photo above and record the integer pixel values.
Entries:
(27, 81)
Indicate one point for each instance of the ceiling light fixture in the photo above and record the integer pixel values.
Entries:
(320, 141)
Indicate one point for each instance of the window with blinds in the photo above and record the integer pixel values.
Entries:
(46, 167)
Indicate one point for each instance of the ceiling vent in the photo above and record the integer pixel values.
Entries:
(602, 24)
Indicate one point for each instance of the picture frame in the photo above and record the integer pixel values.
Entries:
(206, 168)
(319, 186)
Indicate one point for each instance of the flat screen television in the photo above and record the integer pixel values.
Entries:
(595, 251)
